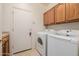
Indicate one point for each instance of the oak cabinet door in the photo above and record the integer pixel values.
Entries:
(77, 10)
(51, 16)
(60, 13)
(67, 11)
(72, 11)
(45, 18)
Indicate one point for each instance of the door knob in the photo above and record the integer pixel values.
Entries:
(30, 33)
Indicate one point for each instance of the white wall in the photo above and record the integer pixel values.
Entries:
(37, 20)
(49, 6)
(0, 28)
(31, 7)
(74, 25)
(0, 20)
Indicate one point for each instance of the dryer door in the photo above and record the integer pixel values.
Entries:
(40, 41)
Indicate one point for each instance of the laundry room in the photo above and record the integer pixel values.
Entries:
(39, 29)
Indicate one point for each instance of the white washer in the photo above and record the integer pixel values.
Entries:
(61, 45)
(41, 42)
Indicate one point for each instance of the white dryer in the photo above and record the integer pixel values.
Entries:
(41, 42)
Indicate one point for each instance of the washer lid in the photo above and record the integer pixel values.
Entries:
(74, 39)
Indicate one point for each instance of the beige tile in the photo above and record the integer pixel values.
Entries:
(31, 52)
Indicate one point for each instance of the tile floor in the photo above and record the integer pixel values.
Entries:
(31, 52)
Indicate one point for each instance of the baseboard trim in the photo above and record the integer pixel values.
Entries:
(22, 51)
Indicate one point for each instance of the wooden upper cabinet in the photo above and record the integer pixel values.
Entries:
(45, 18)
(49, 17)
(67, 11)
(72, 11)
(60, 13)
(77, 10)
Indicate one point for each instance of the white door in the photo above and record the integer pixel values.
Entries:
(22, 27)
